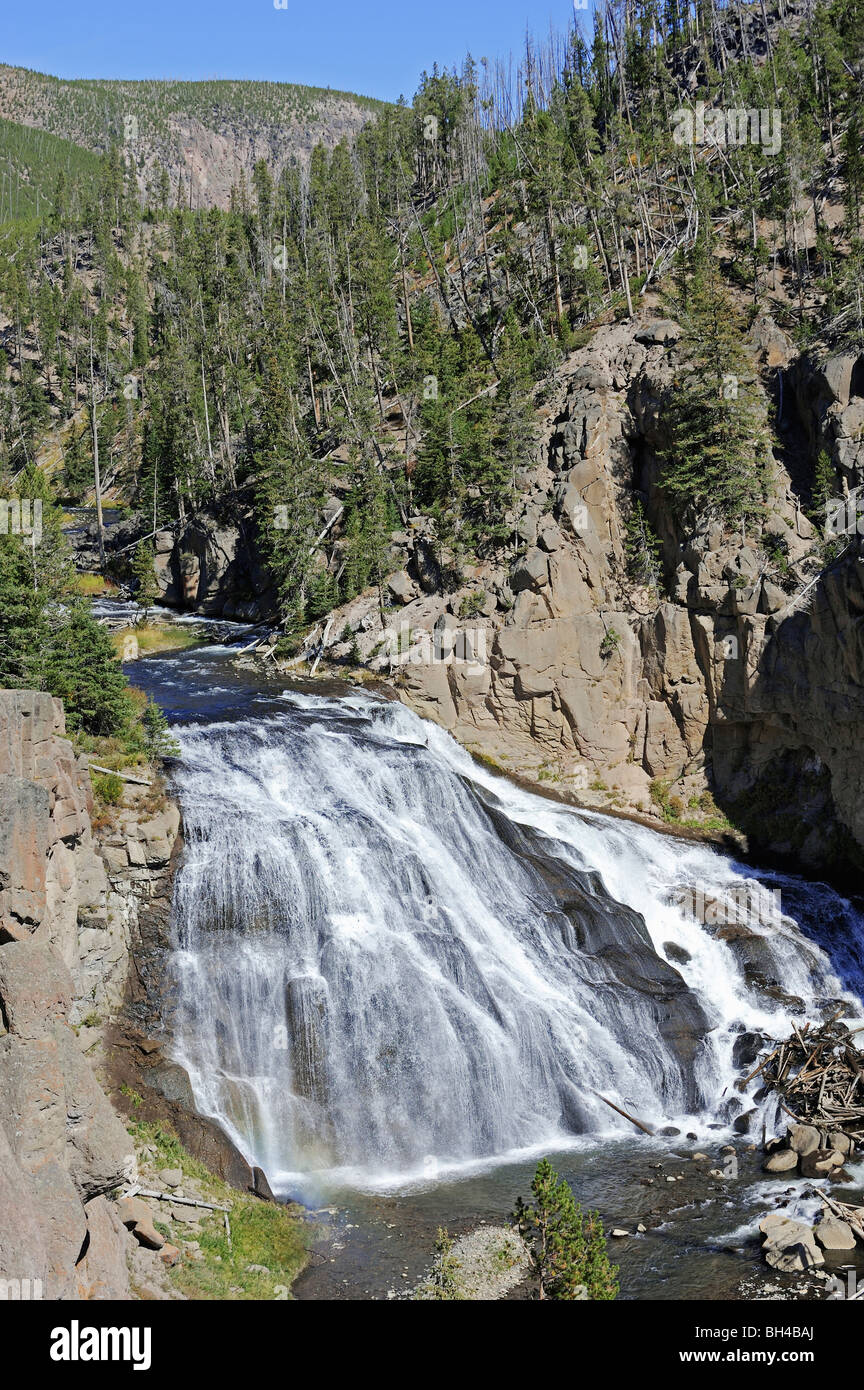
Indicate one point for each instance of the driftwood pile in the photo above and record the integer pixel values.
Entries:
(819, 1073)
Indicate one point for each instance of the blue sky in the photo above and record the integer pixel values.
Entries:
(376, 47)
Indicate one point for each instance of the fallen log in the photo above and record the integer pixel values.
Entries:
(632, 1118)
(124, 776)
(172, 1197)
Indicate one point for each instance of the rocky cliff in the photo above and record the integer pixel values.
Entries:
(206, 136)
(62, 1148)
(71, 911)
(730, 695)
(727, 698)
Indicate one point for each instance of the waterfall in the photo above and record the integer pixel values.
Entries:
(387, 956)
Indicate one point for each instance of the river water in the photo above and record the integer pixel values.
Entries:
(402, 979)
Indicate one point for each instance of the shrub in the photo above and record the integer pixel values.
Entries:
(442, 1284)
(108, 789)
(472, 604)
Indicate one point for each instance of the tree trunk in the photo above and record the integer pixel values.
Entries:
(97, 481)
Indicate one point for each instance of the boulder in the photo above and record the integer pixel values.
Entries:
(772, 1222)
(137, 1217)
(781, 1161)
(790, 1246)
(660, 331)
(837, 375)
(146, 1234)
(532, 572)
(159, 835)
(772, 597)
(746, 1048)
(132, 1210)
(261, 1185)
(804, 1139)
(843, 1143)
(103, 1273)
(401, 586)
(821, 1162)
(833, 1234)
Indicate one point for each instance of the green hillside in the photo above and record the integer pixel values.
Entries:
(35, 166)
(96, 113)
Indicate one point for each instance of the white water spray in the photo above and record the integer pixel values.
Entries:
(389, 958)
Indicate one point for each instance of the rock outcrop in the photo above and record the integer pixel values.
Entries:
(52, 879)
(62, 1148)
(84, 999)
(68, 914)
(739, 682)
(213, 567)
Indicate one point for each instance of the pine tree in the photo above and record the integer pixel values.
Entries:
(82, 671)
(643, 549)
(823, 489)
(144, 578)
(49, 639)
(715, 455)
(291, 491)
(158, 739)
(567, 1249)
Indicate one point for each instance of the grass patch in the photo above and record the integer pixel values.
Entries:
(90, 585)
(134, 1097)
(156, 637)
(670, 807)
(547, 773)
(265, 1234)
(718, 823)
(486, 759)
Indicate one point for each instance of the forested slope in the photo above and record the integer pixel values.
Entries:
(361, 360)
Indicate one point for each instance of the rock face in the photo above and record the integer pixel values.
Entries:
(742, 677)
(51, 877)
(829, 398)
(213, 567)
(61, 1145)
(66, 925)
(58, 884)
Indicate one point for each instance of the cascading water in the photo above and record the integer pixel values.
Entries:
(386, 953)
